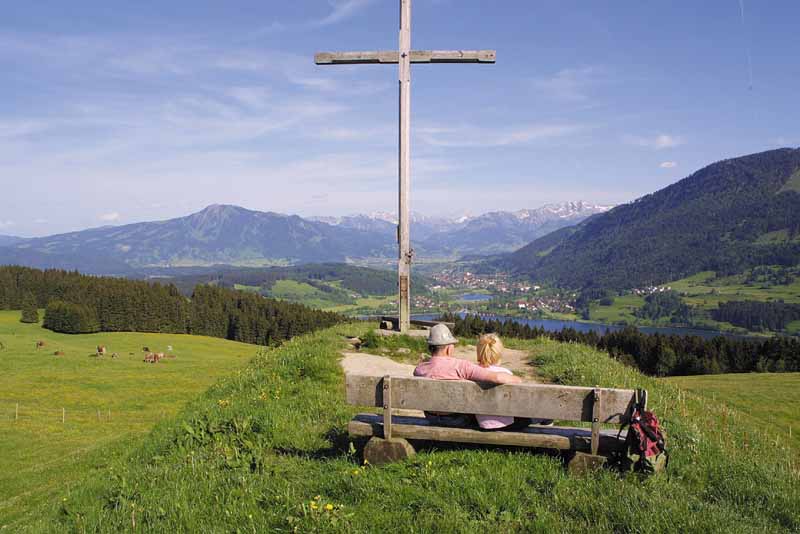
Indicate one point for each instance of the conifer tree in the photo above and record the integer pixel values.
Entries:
(30, 314)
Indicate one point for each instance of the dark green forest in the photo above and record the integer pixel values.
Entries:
(728, 217)
(361, 280)
(757, 316)
(657, 354)
(75, 303)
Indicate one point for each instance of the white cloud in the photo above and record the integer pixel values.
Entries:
(786, 141)
(658, 142)
(110, 217)
(668, 165)
(6, 224)
(569, 84)
(40, 221)
(341, 10)
(471, 136)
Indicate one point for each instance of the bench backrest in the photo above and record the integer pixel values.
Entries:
(568, 403)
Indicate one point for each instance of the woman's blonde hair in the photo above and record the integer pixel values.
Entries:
(490, 349)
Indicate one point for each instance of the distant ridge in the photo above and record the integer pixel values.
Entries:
(9, 240)
(231, 235)
(726, 217)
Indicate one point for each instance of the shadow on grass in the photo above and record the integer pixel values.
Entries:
(343, 447)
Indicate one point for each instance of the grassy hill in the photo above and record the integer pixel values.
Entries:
(265, 449)
(766, 401)
(729, 216)
(109, 404)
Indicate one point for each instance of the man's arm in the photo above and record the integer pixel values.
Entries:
(477, 373)
(505, 378)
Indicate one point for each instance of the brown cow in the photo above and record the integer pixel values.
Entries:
(101, 350)
(58, 353)
(39, 344)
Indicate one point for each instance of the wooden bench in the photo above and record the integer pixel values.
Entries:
(390, 432)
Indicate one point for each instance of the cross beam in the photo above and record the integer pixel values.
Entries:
(404, 57)
(417, 56)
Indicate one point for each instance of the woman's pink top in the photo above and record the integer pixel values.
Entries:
(493, 422)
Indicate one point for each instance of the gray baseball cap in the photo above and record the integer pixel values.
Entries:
(441, 335)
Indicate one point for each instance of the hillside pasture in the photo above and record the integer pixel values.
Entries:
(108, 403)
(769, 402)
(265, 450)
(706, 291)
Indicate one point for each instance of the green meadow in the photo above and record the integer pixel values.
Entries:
(706, 291)
(108, 404)
(766, 402)
(265, 450)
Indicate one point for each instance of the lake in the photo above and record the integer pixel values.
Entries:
(555, 325)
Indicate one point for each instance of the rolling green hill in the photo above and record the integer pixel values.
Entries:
(109, 404)
(727, 217)
(765, 401)
(265, 450)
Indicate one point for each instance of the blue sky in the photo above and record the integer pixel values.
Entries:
(117, 112)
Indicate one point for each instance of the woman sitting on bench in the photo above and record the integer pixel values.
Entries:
(442, 365)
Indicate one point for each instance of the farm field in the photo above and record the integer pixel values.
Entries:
(766, 401)
(701, 290)
(621, 310)
(109, 404)
(265, 450)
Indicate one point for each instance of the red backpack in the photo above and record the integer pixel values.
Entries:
(646, 442)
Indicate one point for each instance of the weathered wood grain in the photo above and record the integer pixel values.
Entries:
(417, 56)
(568, 403)
(561, 438)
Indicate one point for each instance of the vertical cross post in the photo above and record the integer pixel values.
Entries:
(404, 164)
(404, 57)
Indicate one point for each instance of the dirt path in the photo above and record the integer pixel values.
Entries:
(370, 364)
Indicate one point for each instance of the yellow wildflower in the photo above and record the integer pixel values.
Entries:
(329, 507)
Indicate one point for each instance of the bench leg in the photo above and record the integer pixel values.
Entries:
(583, 463)
(382, 451)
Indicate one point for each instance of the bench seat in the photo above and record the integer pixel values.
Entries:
(536, 436)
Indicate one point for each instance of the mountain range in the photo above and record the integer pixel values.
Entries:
(726, 217)
(224, 234)
(9, 240)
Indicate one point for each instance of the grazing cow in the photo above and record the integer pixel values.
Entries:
(101, 350)
(39, 344)
(145, 349)
(58, 353)
(114, 354)
(153, 357)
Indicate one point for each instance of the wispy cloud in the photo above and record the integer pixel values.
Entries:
(340, 10)
(657, 142)
(6, 224)
(471, 136)
(110, 217)
(786, 141)
(571, 84)
(668, 165)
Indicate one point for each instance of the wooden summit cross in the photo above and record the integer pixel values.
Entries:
(404, 57)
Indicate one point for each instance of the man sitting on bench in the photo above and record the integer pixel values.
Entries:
(442, 365)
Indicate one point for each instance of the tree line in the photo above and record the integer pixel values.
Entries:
(75, 303)
(658, 354)
(755, 315)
